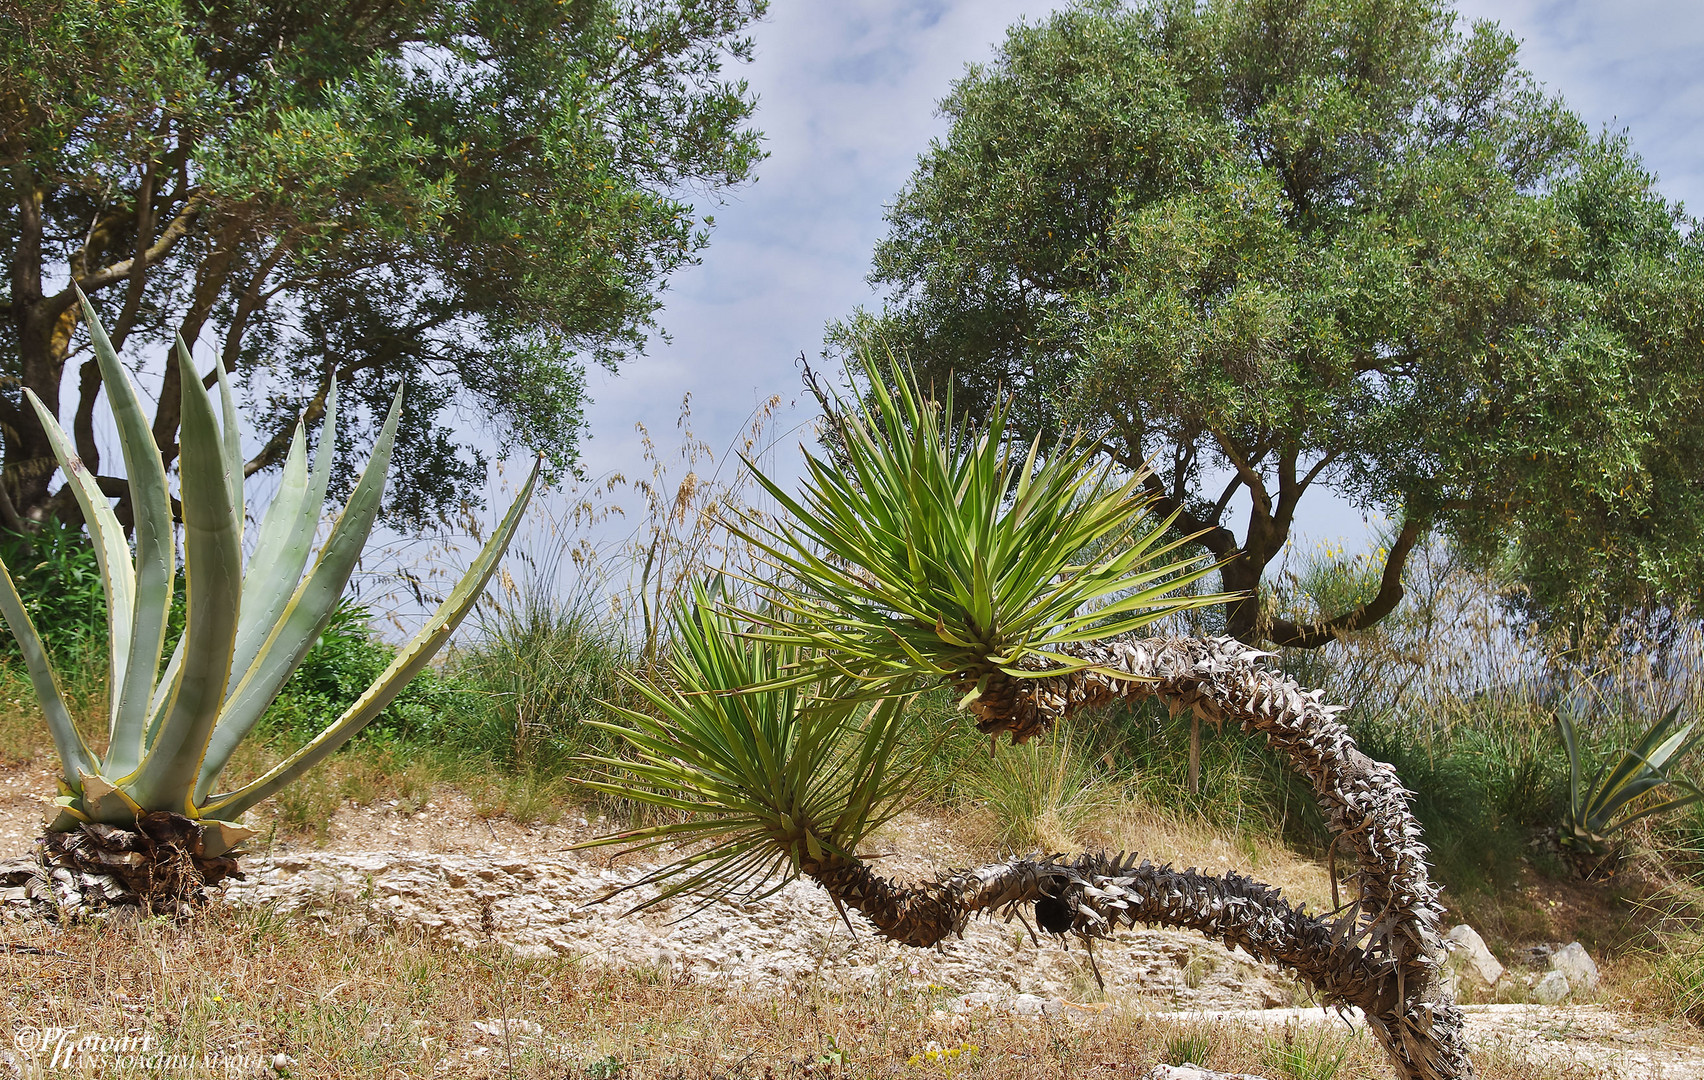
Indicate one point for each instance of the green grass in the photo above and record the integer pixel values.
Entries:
(1041, 795)
(1313, 1053)
(1193, 1045)
(1677, 974)
(1480, 793)
(537, 672)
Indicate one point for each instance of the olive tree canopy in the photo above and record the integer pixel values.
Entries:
(1273, 244)
(466, 194)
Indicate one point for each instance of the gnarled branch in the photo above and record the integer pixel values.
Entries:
(1380, 954)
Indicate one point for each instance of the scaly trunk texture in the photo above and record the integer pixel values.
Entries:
(160, 865)
(1381, 953)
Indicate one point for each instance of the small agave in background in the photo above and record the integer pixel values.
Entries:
(147, 820)
(1596, 811)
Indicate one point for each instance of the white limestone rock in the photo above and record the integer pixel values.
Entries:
(1193, 1072)
(1471, 964)
(1576, 965)
(1553, 989)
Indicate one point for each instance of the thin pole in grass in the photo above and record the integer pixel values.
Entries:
(487, 925)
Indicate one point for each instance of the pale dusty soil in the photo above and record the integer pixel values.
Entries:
(470, 880)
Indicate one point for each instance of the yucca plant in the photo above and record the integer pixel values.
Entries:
(764, 782)
(148, 810)
(923, 554)
(928, 552)
(1595, 812)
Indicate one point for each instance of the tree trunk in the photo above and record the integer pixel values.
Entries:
(1242, 576)
(1381, 953)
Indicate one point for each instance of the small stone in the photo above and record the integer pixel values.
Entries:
(1029, 1005)
(1470, 963)
(1576, 965)
(1552, 989)
(1193, 1072)
(1535, 957)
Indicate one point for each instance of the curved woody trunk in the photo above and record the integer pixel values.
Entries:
(1380, 952)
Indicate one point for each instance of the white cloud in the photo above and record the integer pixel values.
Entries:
(847, 102)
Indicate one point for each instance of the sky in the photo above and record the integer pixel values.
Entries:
(847, 100)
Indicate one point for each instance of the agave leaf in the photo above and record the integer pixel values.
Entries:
(63, 814)
(1607, 789)
(1638, 769)
(408, 662)
(103, 802)
(309, 609)
(1695, 795)
(213, 575)
(112, 550)
(219, 837)
(267, 582)
(230, 441)
(163, 693)
(286, 540)
(156, 557)
(1570, 742)
(74, 755)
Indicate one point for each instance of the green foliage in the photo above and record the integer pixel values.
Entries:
(1479, 797)
(459, 194)
(347, 658)
(531, 687)
(1598, 809)
(929, 552)
(765, 774)
(172, 729)
(1192, 1046)
(59, 579)
(1677, 975)
(1317, 1052)
(1267, 246)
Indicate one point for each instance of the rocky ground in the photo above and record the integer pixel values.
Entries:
(471, 880)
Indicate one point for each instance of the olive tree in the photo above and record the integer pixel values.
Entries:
(1269, 246)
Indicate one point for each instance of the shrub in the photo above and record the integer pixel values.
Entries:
(348, 657)
(538, 673)
(59, 579)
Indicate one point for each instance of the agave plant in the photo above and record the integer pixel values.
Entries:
(1594, 811)
(928, 554)
(152, 797)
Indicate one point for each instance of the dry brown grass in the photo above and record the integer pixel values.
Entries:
(346, 998)
(1160, 834)
(1186, 842)
(23, 732)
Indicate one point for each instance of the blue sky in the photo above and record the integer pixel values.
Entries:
(848, 92)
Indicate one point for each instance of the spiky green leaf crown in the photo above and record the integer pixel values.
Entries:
(933, 551)
(767, 779)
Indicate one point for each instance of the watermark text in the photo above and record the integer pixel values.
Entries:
(58, 1047)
